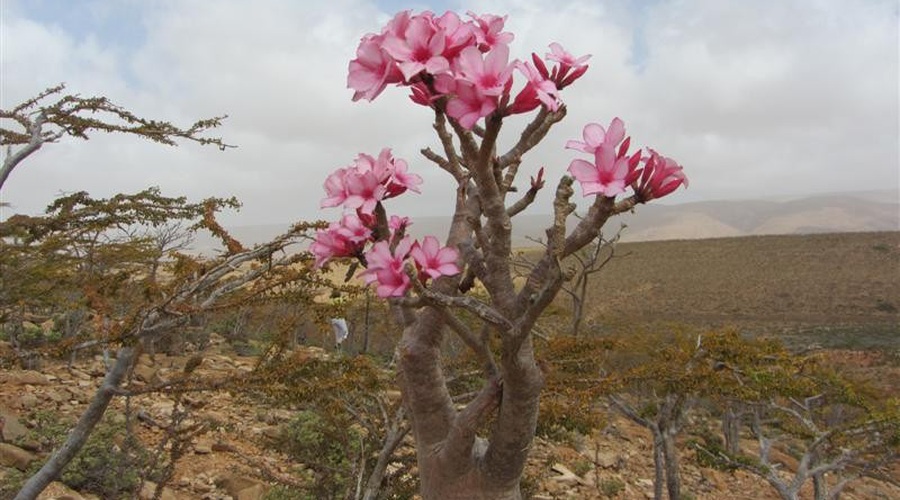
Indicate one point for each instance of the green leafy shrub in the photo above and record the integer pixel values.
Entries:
(611, 487)
(281, 492)
(111, 463)
(327, 448)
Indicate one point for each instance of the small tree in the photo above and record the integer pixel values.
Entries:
(654, 383)
(195, 287)
(50, 116)
(104, 256)
(90, 253)
(839, 428)
(461, 71)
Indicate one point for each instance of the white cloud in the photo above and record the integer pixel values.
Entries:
(754, 98)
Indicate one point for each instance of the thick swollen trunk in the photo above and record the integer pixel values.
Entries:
(453, 462)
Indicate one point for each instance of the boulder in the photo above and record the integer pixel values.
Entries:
(145, 373)
(13, 456)
(149, 488)
(24, 377)
(242, 487)
(59, 491)
(10, 428)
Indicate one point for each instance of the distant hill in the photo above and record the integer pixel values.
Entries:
(829, 213)
(833, 213)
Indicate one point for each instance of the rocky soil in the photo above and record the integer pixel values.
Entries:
(231, 461)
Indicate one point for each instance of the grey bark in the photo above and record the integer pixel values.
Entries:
(206, 289)
(395, 434)
(79, 435)
(13, 159)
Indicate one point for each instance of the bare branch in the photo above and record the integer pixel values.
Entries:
(532, 135)
(35, 142)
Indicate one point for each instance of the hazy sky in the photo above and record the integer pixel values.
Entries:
(754, 98)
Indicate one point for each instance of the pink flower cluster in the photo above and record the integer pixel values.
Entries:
(386, 266)
(466, 61)
(613, 170)
(359, 189)
(368, 181)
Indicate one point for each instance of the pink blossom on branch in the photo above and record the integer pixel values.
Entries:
(397, 223)
(457, 34)
(368, 181)
(364, 191)
(568, 69)
(372, 70)
(538, 90)
(385, 267)
(595, 136)
(489, 31)
(659, 177)
(335, 188)
(344, 238)
(607, 175)
(611, 170)
(400, 180)
(468, 105)
(419, 47)
(489, 73)
(432, 260)
(565, 59)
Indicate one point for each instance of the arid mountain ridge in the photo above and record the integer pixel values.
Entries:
(825, 213)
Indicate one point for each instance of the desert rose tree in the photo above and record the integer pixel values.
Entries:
(461, 69)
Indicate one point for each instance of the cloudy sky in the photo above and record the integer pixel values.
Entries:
(755, 98)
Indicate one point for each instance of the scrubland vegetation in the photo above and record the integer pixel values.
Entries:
(472, 370)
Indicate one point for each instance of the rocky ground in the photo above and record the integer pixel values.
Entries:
(230, 460)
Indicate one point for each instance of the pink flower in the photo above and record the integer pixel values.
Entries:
(563, 74)
(489, 74)
(364, 191)
(335, 188)
(344, 238)
(353, 229)
(368, 181)
(660, 176)
(595, 136)
(372, 70)
(468, 105)
(419, 47)
(432, 260)
(400, 179)
(537, 90)
(396, 224)
(489, 31)
(565, 59)
(391, 172)
(608, 175)
(386, 268)
(457, 34)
